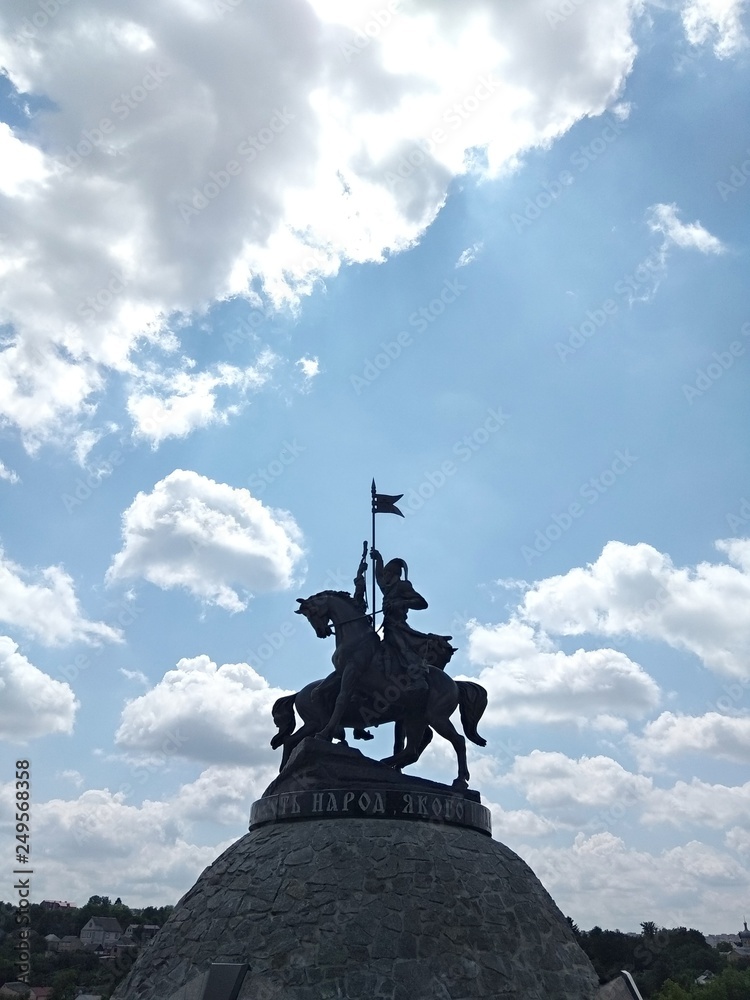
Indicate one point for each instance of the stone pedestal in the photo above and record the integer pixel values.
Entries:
(367, 909)
(366, 906)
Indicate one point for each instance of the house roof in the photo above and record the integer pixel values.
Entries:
(105, 924)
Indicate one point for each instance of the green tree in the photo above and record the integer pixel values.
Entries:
(671, 991)
(64, 985)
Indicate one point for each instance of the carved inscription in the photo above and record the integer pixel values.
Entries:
(358, 802)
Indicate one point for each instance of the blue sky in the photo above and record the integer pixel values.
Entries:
(495, 258)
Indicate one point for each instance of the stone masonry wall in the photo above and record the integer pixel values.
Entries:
(367, 909)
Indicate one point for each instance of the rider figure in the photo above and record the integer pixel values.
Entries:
(328, 688)
(404, 647)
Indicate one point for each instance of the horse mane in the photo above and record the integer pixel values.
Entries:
(336, 593)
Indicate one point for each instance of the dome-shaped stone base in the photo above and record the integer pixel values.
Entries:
(367, 908)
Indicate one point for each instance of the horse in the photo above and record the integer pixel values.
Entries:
(369, 695)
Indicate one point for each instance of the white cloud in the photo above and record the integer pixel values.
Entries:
(528, 679)
(689, 236)
(135, 675)
(47, 608)
(142, 194)
(516, 824)
(22, 167)
(469, 255)
(599, 880)
(309, 367)
(214, 714)
(209, 538)
(75, 777)
(568, 788)
(31, 702)
(155, 862)
(719, 21)
(699, 802)
(9, 474)
(176, 403)
(715, 735)
(738, 839)
(152, 843)
(636, 590)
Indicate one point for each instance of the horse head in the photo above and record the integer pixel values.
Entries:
(316, 611)
(330, 606)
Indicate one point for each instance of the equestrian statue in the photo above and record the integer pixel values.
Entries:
(398, 678)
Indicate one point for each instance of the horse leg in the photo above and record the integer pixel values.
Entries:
(414, 731)
(308, 729)
(349, 683)
(398, 737)
(445, 728)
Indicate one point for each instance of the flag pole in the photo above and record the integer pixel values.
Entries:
(374, 595)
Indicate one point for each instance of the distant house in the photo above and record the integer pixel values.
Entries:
(42, 992)
(18, 991)
(100, 932)
(141, 932)
(126, 945)
(57, 904)
(70, 943)
(52, 941)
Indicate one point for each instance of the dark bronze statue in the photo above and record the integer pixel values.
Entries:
(405, 649)
(399, 679)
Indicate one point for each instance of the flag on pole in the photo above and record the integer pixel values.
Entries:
(383, 503)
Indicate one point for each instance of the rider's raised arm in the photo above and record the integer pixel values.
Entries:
(360, 580)
(378, 560)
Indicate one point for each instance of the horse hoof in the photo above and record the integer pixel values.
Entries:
(460, 785)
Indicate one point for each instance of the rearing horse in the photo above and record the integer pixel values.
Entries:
(368, 696)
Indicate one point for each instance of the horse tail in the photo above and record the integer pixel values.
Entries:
(472, 701)
(283, 716)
